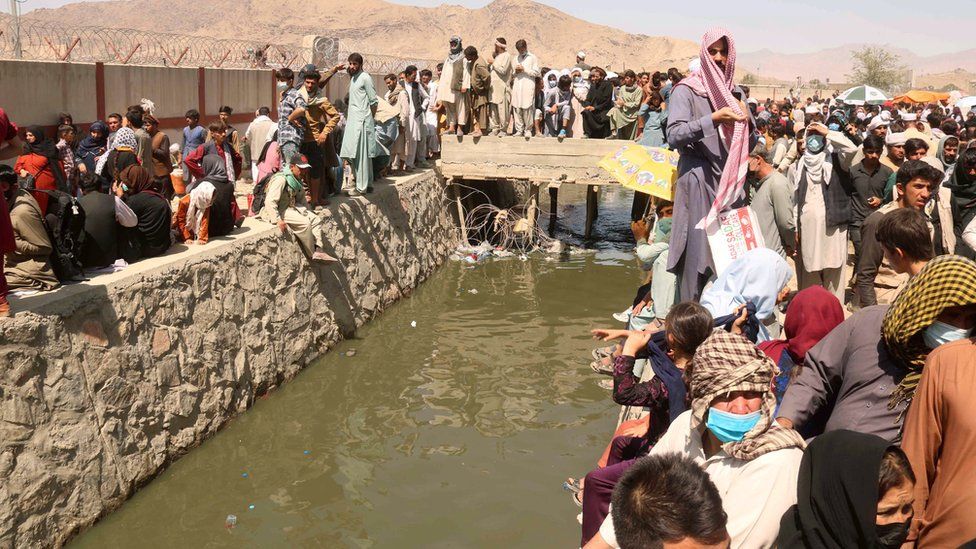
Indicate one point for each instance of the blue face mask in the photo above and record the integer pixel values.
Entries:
(833, 126)
(730, 427)
(940, 333)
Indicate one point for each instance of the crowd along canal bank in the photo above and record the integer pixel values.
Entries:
(105, 383)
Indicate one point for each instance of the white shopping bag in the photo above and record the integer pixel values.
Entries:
(735, 233)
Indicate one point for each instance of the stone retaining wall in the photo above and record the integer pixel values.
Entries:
(103, 384)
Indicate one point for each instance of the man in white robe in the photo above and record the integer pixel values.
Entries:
(821, 221)
(523, 89)
(500, 99)
(449, 88)
(433, 145)
(413, 106)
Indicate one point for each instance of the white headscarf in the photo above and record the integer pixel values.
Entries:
(201, 197)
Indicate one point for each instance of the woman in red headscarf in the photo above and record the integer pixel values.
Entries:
(812, 314)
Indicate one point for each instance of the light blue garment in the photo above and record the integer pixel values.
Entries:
(359, 144)
(757, 277)
(729, 427)
(654, 123)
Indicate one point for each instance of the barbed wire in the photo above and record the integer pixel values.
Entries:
(41, 41)
(53, 42)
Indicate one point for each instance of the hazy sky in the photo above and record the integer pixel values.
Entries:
(758, 24)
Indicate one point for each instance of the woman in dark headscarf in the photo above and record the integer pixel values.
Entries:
(962, 185)
(93, 145)
(854, 490)
(222, 211)
(599, 100)
(151, 237)
(42, 162)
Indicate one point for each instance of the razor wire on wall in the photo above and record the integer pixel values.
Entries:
(38, 41)
(52, 42)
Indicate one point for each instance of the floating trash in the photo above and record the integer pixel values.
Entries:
(307, 452)
(243, 475)
(351, 352)
(413, 323)
(251, 507)
(231, 521)
(473, 291)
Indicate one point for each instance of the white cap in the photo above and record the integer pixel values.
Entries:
(812, 108)
(581, 54)
(934, 162)
(909, 117)
(895, 139)
(877, 122)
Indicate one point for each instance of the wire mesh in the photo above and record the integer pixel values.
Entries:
(53, 42)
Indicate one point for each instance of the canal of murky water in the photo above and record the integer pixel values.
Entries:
(455, 433)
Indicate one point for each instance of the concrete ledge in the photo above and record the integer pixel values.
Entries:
(106, 382)
(543, 159)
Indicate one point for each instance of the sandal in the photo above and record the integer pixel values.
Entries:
(601, 367)
(604, 352)
(573, 485)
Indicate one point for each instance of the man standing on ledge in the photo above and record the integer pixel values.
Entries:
(710, 126)
(359, 139)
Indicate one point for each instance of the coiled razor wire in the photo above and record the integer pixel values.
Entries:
(507, 229)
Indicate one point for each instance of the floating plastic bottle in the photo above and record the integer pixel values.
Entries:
(231, 521)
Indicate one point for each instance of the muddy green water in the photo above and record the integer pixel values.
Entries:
(456, 433)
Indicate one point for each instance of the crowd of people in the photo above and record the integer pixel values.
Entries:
(829, 413)
(840, 423)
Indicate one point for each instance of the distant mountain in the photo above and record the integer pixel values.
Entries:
(835, 63)
(375, 26)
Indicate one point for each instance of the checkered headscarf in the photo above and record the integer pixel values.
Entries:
(724, 363)
(947, 281)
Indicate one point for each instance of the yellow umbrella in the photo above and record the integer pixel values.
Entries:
(648, 170)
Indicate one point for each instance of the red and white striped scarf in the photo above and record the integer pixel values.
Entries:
(716, 85)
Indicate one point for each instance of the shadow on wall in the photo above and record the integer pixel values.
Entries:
(105, 384)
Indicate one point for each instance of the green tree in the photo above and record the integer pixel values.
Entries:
(875, 66)
(815, 83)
(749, 80)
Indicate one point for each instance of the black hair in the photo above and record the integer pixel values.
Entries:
(914, 144)
(874, 143)
(689, 324)
(8, 175)
(630, 73)
(661, 204)
(313, 75)
(192, 114)
(520, 45)
(564, 82)
(134, 117)
(217, 126)
(894, 471)
(114, 115)
(916, 169)
(906, 229)
(666, 498)
(285, 74)
(90, 182)
(934, 119)
(471, 51)
(65, 128)
(502, 40)
(426, 72)
(226, 109)
(949, 127)
(355, 58)
(410, 69)
(264, 111)
(440, 66)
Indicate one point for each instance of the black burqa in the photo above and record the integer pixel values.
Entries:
(837, 493)
(221, 209)
(596, 125)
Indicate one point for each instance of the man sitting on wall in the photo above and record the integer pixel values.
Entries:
(285, 206)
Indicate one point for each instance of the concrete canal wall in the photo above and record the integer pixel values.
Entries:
(103, 384)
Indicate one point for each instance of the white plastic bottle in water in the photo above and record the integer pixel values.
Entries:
(231, 521)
